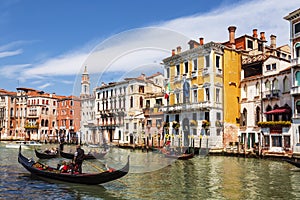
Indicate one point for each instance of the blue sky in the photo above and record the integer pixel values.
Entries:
(45, 44)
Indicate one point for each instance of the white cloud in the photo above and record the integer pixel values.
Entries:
(10, 53)
(125, 51)
(45, 85)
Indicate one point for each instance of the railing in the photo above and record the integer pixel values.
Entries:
(271, 94)
(180, 107)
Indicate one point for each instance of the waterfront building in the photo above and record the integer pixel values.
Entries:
(41, 115)
(111, 103)
(7, 115)
(265, 99)
(89, 133)
(68, 118)
(294, 19)
(202, 90)
(119, 108)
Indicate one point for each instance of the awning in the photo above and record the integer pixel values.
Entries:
(278, 111)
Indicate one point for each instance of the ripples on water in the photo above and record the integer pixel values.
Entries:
(198, 178)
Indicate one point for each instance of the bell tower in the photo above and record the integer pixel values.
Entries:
(85, 83)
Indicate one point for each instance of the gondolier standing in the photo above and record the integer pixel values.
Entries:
(78, 158)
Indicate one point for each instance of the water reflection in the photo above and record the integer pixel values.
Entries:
(198, 178)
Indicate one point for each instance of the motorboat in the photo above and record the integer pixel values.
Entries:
(23, 144)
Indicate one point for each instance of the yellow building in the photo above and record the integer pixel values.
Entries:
(203, 101)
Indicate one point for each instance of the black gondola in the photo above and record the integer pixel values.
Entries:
(180, 156)
(45, 155)
(84, 178)
(86, 156)
(293, 162)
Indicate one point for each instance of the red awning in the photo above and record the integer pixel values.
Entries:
(278, 111)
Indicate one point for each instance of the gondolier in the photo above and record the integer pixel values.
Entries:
(78, 158)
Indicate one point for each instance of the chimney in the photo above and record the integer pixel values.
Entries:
(178, 49)
(262, 36)
(231, 30)
(273, 41)
(193, 44)
(173, 52)
(255, 33)
(201, 40)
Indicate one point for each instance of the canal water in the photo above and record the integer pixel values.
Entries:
(153, 177)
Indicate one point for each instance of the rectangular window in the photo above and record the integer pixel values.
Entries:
(274, 66)
(217, 61)
(134, 125)
(268, 67)
(217, 95)
(186, 67)
(71, 122)
(194, 131)
(127, 126)
(260, 47)
(194, 116)
(195, 64)
(218, 116)
(195, 96)
(177, 70)
(297, 29)
(207, 94)
(207, 61)
(177, 97)
(250, 44)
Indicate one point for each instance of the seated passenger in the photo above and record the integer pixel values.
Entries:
(64, 167)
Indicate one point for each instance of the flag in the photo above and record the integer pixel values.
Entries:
(167, 94)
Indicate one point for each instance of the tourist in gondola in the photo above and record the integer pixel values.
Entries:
(78, 158)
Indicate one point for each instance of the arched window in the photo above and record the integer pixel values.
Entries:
(297, 50)
(98, 106)
(286, 84)
(141, 102)
(257, 115)
(257, 89)
(42, 123)
(131, 102)
(244, 116)
(297, 78)
(275, 85)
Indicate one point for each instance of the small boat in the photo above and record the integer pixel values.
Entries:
(24, 144)
(293, 162)
(179, 156)
(41, 170)
(89, 156)
(45, 155)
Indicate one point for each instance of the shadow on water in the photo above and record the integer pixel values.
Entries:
(67, 190)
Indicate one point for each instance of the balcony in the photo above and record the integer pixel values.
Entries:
(193, 106)
(271, 94)
(177, 78)
(295, 61)
(295, 90)
(194, 74)
(205, 72)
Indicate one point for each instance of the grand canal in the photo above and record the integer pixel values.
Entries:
(151, 177)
